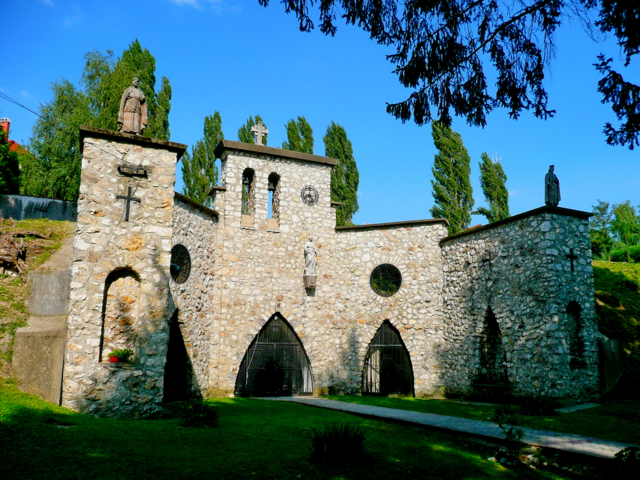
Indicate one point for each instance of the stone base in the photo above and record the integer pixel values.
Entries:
(247, 221)
(309, 281)
(38, 357)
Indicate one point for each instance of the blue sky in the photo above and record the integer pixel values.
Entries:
(242, 59)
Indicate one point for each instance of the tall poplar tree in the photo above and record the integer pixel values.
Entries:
(493, 181)
(299, 136)
(344, 177)
(244, 132)
(451, 169)
(199, 170)
(53, 168)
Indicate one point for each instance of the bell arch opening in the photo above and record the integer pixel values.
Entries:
(275, 364)
(387, 365)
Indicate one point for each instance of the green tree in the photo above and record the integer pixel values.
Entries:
(626, 225)
(299, 136)
(493, 181)
(244, 132)
(445, 49)
(451, 169)
(9, 167)
(600, 230)
(344, 176)
(199, 170)
(55, 144)
(53, 167)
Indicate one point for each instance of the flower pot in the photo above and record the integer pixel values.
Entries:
(113, 359)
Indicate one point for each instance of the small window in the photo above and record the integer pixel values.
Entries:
(180, 263)
(248, 193)
(273, 207)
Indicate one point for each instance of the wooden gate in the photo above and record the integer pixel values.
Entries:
(275, 364)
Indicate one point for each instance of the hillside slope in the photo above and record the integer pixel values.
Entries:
(617, 292)
(41, 239)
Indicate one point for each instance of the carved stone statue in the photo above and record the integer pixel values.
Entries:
(133, 110)
(310, 255)
(551, 188)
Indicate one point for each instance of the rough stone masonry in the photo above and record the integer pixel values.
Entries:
(518, 292)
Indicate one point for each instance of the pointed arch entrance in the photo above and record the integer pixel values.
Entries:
(275, 363)
(387, 365)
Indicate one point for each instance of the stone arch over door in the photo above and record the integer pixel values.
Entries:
(387, 364)
(119, 312)
(275, 364)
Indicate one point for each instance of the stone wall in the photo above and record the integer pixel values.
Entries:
(105, 244)
(520, 269)
(197, 299)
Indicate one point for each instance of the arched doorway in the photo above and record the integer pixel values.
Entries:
(178, 372)
(275, 363)
(387, 365)
(493, 360)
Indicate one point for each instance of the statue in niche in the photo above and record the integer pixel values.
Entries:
(133, 110)
(551, 188)
(310, 255)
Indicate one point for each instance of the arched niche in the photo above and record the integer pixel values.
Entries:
(493, 360)
(119, 312)
(574, 329)
(275, 364)
(387, 365)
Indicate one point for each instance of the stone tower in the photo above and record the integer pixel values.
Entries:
(120, 294)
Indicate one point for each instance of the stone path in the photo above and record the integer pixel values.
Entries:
(561, 441)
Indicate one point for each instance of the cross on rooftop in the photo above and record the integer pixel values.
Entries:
(260, 131)
(128, 199)
(571, 257)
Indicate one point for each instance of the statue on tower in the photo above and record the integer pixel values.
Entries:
(133, 110)
(551, 188)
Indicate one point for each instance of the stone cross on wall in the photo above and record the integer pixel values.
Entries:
(260, 131)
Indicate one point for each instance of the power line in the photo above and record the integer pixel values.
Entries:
(9, 99)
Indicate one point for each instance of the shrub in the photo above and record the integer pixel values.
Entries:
(504, 413)
(338, 444)
(623, 254)
(506, 416)
(628, 461)
(538, 407)
(198, 414)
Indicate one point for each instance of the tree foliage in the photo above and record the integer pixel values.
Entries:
(9, 167)
(493, 181)
(53, 167)
(344, 176)
(452, 191)
(625, 225)
(199, 170)
(299, 136)
(445, 50)
(600, 230)
(244, 132)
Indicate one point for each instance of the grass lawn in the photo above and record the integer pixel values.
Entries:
(616, 420)
(256, 439)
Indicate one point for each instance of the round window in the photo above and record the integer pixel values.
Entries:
(386, 279)
(180, 263)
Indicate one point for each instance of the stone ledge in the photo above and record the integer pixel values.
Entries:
(393, 224)
(225, 145)
(87, 131)
(567, 212)
(216, 188)
(193, 203)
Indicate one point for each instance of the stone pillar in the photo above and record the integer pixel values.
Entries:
(123, 234)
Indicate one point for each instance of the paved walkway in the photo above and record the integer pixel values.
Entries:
(561, 441)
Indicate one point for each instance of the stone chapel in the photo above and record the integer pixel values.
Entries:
(219, 301)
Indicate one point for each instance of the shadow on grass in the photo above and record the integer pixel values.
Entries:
(256, 439)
